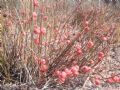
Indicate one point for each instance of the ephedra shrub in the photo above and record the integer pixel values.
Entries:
(53, 41)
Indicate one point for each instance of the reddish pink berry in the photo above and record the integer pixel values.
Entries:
(43, 61)
(97, 82)
(34, 16)
(74, 69)
(42, 30)
(79, 52)
(86, 69)
(45, 18)
(57, 73)
(44, 68)
(61, 80)
(36, 41)
(36, 30)
(115, 78)
(68, 41)
(35, 2)
(63, 74)
(78, 49)
(68, 72)
(75, 73)
(104, 38)
(91, 61)
(110, 80)
(86, 23)
(101, 55)
(90, 44)
(86, 29)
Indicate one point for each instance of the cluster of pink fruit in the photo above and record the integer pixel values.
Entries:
(110, 80)
(74, 70)
(63, 75)
(79, 52)
(113, 79)
(39, 31)
(70, 72)
(43, 65)
(36, 3)
(86, 26)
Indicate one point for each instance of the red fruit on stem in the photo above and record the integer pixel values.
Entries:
(100, 55)
(74, 69)
(110, 80)
(115, 78)
(36, 41)
(68, 72)
(90, 44)
(86, 69)
(43, 61)
(91, 61)
(63, 74)
(42, 30)
(35, 2)
(75, 73)
(104, 38)
(36, 30)
(86, 23)
(34, 16)
(57, 73)
(44, 68)
(79, 52)
(97, 82)
(100, 58)
(45, 18)
(68, 41)
(61, 80)
(86, 29)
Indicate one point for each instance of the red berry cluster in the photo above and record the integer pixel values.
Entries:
(66, 73)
